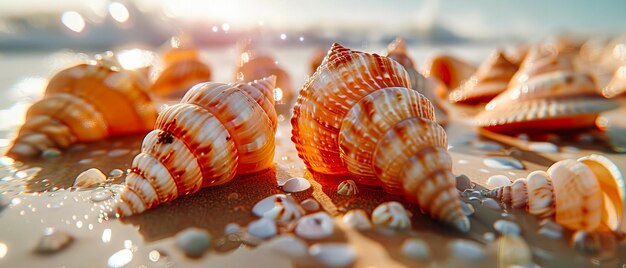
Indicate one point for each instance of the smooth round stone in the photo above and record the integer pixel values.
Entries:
(289, 245)
(490, 203)
(315, 226)
(487, 145)
(53, 241)
(262, 228)
(333, 254)
(543, 147)
(296, 184)
(115, 173)
(498, 181)
(51, 153)
(466, 249)
(193, 241)
(232, 228)
(489, 236)
(503, 163)
(468, 209)
(415, 248)
(505, 227)
(310, 205)
(463, 182)
(357, 219)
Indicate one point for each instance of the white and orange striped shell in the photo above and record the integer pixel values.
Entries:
(216, 131)
(357, 115)
(183, 69)
(491, 79)
(551, 101)
(86, 102)
(540, 60)
(588, 194)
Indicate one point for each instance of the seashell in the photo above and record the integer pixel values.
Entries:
(216, 131)
(253, 65)
(581, 195)
(553, 101)
(316, 59)
(415, 248)
(357, 219)
(391, 215)
(86, 102)
(347, 188)
(310, 204)
(541, 60)
(53, 241)
(617, 85)
(296, 184)
(193, 242)
(262, 228)
(183, 69)
(397, 50)
(315, 226)
(343, 124)
(613, 124)
(498, 181)
(512, 250)
(333, 254)
(281, 208)
(491, 79)
(449, 70)
(89, 178)
(517, 54)
(614, 53)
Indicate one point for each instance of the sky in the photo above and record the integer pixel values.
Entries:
(478, 18)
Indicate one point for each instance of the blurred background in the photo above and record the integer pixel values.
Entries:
(104, 24)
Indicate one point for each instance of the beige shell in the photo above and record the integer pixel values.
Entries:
(316, 59)
(450, 70)
(358, 115)
(552, 101)
(617, 84)
(254, 65)
(183, 69)
(540, 60)
(588, 194)
(391, 215)
(86, 102)
(513, 251)
(216, 131)
(491, 79)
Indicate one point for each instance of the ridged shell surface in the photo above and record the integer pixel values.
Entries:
(450, 70)
(86, 102)
(491, 79)
(216, 131)
(179, 76)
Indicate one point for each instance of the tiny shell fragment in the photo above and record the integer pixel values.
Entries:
(315, 226)
(53, 241)
(347, 188)
(391, 215)
(262, 228)
(357, 219)
(90, 177)
(296, 184)
(281, 208)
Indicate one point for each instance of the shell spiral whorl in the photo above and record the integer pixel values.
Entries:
(216, 131)
(83, 103)
(358, 115)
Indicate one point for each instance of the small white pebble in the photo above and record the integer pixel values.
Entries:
(466, 249)
(51, 153)
(289, 245)
(115, 173)
(503, 163)
(90, 177)
(505, 227)
(310, 205)
(333, 254)
(296, 184)
(357, 219)
(193, 242)
(315, 226)
(415, 248)
(489, 236)
(498, 181)
(543, 147)
(490, 203)
(232, 228)
(262, 228)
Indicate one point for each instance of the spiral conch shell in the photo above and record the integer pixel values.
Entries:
(491, 79)
(216, 131)
(183, 69)
(358, 115)
(86, 102)
(588, 194)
